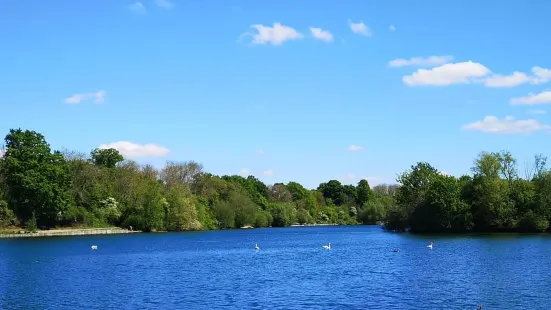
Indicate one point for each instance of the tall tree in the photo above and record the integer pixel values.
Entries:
(37, 179)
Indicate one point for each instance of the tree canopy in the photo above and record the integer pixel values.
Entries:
(48, 188)
(495, 198)
(41, 187)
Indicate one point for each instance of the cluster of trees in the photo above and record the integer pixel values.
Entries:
(41, 188)
(494, 198)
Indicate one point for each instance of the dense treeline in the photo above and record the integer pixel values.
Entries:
(45, 189)
(495, 198)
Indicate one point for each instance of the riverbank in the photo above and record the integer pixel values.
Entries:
(69, 232)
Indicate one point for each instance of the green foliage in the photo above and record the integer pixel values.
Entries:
(495, 198)
(37, 179)
(108, 158)
(7, 217)
(31, 225)
(43, 188)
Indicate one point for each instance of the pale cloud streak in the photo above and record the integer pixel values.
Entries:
(129, 149)
(245, 171)
(392, 28)
(137, 7)
(268, 172)
(360, 28)
(508, 125)
(539, 76)
(322, 35)
(164, 4)
(97, 97)
(540, 112)
(355, 148)
(260, 152)
(541, 98)
(448, 74)
(274, 35)
(420, 61)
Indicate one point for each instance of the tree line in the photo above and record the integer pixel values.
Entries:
(495, 198)
(41, 188)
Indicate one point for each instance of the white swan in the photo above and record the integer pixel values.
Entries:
(430, 245)
(256, 247)
(94, 247)
(328, 246)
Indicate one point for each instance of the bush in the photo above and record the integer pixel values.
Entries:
(532, 222)
(7, 217)
(31, 225)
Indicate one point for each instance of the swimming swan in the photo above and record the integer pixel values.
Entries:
(430, 245)
(256, 247)
(94, 247)
(328, 246)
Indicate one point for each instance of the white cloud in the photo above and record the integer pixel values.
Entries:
(499, 80)
(420, 61)
(321, 34)
(164, 4)
(541, 98)
(360, 28)
(508, 125)
(355, 148)
(2, 152)
(268, 172)
(129, 149)
(137, 7)
(539, 76)
(444, 173)
(448, 74)
(260, 152)
(245, 171)
(391, 28)
(275, 35)
(97, 97)
(538, 112)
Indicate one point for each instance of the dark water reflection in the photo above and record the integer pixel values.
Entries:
(221, 270)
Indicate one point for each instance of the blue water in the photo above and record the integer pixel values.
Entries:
(221, 270)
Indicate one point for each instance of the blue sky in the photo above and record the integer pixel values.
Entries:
(197, 80)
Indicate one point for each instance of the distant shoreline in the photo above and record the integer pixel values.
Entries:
(69, 232)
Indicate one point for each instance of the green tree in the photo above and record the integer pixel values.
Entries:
(37, 179)
(108, 158)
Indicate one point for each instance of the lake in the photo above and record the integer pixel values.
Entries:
(222, 270)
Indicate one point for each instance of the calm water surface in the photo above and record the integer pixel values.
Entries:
(221, 270)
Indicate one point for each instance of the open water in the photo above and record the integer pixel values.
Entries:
(222, 270)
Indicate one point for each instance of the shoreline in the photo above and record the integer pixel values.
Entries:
(70, 232)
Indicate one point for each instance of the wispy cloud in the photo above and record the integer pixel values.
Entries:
(537, 112)
(392, 28)
(137, 7)
(360, 28)
(245, 171)
(97, 97)
(420, 61)
(507, 125)
(268, 172)
(164, 4)
(322, 35)
(260, 152)
(541, 98)
(355, 148)
(274, 35)
(130, 149)
(448, 74)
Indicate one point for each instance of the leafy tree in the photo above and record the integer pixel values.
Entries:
(37, 179)
(108, 158)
